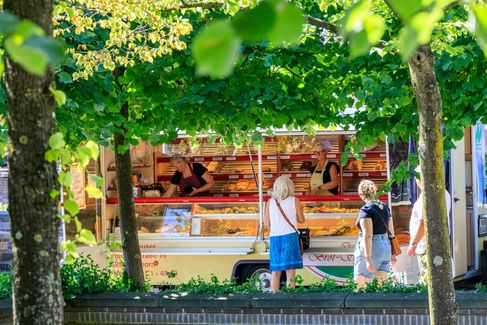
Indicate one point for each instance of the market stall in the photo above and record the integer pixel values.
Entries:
(221, 234)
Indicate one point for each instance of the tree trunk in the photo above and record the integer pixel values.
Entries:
(128, 225)
(441, 293)
(37, 297)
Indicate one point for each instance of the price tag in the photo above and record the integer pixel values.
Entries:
(199, 159)
(383, 155)
(233, 176)
(302, 175)
(217, 158)
(218, 195)
(363, 174)
(272, 157)
(330, 156)
(268, 175)
(231, 158)
(383, 174)
(285, 157)
(234, 195)
(248, 176)
(347, 174)
(313, 156)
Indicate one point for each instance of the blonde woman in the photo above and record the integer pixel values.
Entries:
(372, 254)
(285, 254)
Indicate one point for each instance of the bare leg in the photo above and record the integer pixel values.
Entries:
(361, 282)
(290, 274)
(275, 281)
(381, 276)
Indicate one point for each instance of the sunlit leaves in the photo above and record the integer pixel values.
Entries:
(216, 48)
(288, 26)
(406, 9)
(26, 44)
(255, 24)
(362, 28)
(480, 12)
(59, 96)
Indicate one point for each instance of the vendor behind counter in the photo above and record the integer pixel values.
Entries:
(193, 179)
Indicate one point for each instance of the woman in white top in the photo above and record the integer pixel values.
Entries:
(285, 252)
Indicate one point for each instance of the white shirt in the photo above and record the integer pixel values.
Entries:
(417, 216)
(278, 224)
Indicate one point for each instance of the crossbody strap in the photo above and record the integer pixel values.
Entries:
(387, 227)
(285, 217)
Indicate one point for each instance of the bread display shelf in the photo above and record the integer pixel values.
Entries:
(226, 215)
(336, 215)
(360, 173)
(224, 177)
(113, 168)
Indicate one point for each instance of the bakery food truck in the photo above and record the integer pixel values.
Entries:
(222, 234)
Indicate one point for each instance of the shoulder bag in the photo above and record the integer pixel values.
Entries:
(395, 248)
(303, 234)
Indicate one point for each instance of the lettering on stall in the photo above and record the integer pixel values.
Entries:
(318, 259)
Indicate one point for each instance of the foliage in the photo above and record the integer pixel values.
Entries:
(479, 287)
(326, 285)
(85, 276)
(110, 34)
(67, 158)
(5, 285)
(217, 47)
(27, 44)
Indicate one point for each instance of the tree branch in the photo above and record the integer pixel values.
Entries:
(202, 5)
(323, 24)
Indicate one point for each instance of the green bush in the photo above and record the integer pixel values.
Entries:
(85, 276)
(326, 285)
(5, 285)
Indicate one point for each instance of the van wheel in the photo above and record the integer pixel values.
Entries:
(259, 275)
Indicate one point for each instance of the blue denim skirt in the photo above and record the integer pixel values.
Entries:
(381, 256)
(285, 253)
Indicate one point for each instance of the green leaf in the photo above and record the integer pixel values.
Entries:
(216, 49)
(56, 141)
(87, 237)
(288, 26)
(32, 60)
(78, 224)
(52, 48)
(408, 42)
(65, 178)
(480, 13)
(93, 192)
(97, 179)
(405, 9)
(54, 193)
(257, 137)
(8, 23)
(65, 78)
(51, 155)
(71, 207)
(93, 149)
(59, 96)
(254, 24)
(353, 20)
(374, 26)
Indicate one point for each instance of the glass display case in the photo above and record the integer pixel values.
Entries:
(326, 219)
(198, 219)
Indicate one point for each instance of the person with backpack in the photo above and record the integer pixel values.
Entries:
(372, 255)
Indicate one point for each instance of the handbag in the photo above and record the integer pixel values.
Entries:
(395, 248)
(303, 233)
